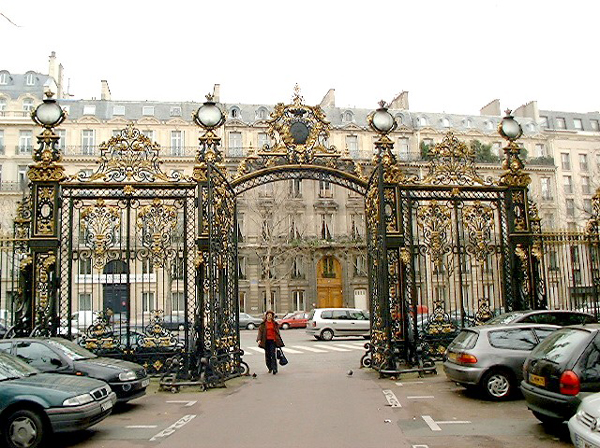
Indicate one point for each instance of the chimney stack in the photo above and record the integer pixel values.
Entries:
(217, 93)
(400, 102)
(492, 108)
(104, 91)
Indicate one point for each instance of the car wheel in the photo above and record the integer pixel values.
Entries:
(23, 429)
(285, 326)
(546, 420)
(327, 335)
(497, 385)
(250, 326)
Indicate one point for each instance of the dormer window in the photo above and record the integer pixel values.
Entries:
(118, 110)
(445, 122)
(348, 117)
(399, 119)
(489, 125)
(30, 79)
(148, 111)
(89, 109)
(234, 112)
(423, 121)
(261, 114)
(4, 78)
(468, 123)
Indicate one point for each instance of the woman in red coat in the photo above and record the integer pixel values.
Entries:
(269, 339)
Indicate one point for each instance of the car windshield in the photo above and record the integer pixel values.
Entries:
(560, 345)
(505, 318)
(11, 368)
(71, 350)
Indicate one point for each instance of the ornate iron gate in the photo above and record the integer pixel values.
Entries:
(126, 255)
(136, 247)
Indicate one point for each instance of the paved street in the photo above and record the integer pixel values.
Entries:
(313, 402)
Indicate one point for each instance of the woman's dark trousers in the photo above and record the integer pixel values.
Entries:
(270, 357)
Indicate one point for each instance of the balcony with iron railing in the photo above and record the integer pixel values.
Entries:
(13, 186)
(94, 150)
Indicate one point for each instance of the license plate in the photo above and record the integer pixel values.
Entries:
(537, 380)
(582, 443)
(145, 383)
(106, 406)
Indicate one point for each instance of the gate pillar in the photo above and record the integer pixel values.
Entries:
(528, 289)
(45, 175)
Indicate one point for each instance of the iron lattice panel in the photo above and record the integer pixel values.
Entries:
(457, 261)
(130, 255)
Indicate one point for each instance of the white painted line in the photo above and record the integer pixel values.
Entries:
(247, 352)
(291, 350)
(256, 349)
(435, 426)
(188, 403)
(174, 427)
(432, 425)
(399, 384)
(420, 446)
(391, 398)
(310, 349)
(332, 347)
(353, 347)
(449, 422)
(417, 397)
(141, 426)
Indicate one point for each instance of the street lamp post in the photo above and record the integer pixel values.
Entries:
(45, 175)
(382, 122)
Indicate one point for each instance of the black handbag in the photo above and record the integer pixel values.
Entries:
(281, 357)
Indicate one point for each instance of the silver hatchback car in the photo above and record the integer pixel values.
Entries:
(491, 357)
(325, 323)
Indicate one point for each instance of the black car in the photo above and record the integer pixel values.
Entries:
(128, 380)
(550, 317)
(561, 371)
(175, 322)
(33, 405)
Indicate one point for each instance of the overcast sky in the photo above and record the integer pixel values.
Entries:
(452, 56)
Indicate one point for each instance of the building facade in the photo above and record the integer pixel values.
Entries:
(301, 242)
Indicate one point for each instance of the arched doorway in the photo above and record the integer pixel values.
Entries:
(329, 283)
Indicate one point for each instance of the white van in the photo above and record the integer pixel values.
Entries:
(325, 323)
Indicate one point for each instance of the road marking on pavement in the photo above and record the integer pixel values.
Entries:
(174, 427)
(141, 426)
(256, 349)
(310, 349)
(420, 446)
(291, 350)
(188, 403)
(332, 347)
(391, 398)
(410, 382)
(418, 397)
(435, 426)
(353, 347)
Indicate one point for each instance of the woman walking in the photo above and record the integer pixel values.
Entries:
(269, 339)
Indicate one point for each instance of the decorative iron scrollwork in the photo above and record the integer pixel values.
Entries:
(156, 223)
(453, 163)
(435, 220)
(129, 157)
(478, 220)
(100, 223)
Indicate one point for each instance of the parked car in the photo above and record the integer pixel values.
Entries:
(83, 319)
(327, 323)
(561, 371)
(297, 319)
(491, 357)
(33, 405)
(551, 317)
(57, 355)
(176, 322)
(248, 321)
(584, 425)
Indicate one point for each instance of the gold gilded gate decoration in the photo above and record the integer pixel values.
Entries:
(100, 223)
(156, 223)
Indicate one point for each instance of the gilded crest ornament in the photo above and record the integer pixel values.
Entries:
(453, 163)
(129, 157)
(478, 220)
(435, 220)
